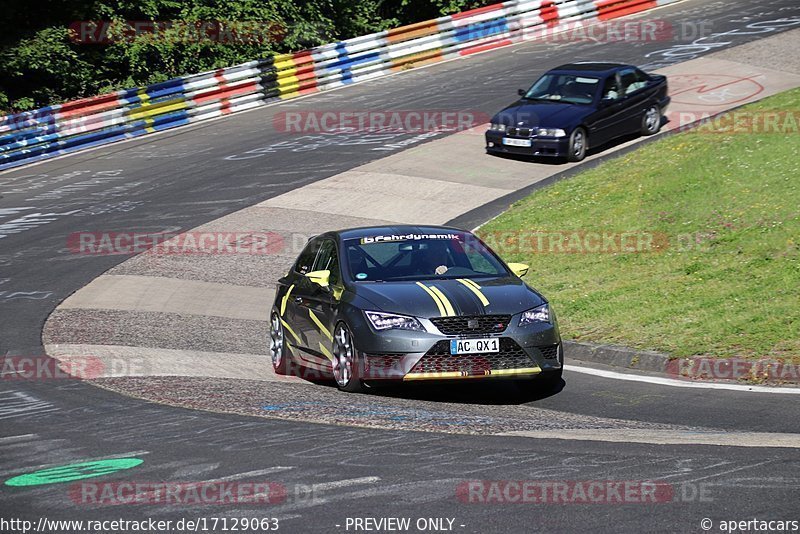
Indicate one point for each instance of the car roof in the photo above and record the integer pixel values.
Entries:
(590, 66)
(401, 229)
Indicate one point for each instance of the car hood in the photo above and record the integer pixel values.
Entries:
(507, 295)
(542, 114)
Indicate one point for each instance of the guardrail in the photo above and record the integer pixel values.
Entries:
(60, 129)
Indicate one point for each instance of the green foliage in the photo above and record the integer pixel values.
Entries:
(41, 64)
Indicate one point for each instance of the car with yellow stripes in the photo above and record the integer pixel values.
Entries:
(411, 303)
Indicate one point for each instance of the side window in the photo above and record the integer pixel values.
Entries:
(305, 262)
(328, 259)
(611, 88)
(632, 80)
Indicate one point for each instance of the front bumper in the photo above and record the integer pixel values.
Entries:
(412, 356)
(557, 147)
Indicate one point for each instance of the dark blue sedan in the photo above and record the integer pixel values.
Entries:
(577, 106)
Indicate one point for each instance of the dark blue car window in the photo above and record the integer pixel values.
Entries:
(567, 88)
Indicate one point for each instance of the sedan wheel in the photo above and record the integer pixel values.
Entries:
(578, 142)
(345, 364)
(651, 122)
(276, 344)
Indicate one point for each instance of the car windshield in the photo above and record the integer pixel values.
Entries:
(389, 258)
(568, 88)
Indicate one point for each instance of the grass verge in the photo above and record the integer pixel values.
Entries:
(716, 221)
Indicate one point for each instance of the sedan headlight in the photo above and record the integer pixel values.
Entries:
(385, 321)
(540, 314)
(551, 132)
(498, 127)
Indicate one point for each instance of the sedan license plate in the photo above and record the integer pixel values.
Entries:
(474, 346)
(516, 142)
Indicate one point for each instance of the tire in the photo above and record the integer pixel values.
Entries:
(578, 141)
(345, 361)
(277, 344)
(651, 120)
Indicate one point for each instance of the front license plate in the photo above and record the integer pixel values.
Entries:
(474, 346)
(516, 142)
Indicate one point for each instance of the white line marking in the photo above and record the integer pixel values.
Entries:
(347, 482)
(667, 437)
(257, 473)
(679, 383)
(21, 437)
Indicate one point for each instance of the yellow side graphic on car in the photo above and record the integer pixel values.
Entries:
(285, 298)
(289, 329)
(322, 329)
(325, 351)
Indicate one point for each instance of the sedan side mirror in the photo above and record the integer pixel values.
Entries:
(521, 92)
(321, 278)
(519, 269)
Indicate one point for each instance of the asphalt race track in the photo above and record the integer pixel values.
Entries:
(180, 179)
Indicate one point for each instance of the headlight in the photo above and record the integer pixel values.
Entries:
(540, 314)
(498, 127)
(551, 132)
(385, 321)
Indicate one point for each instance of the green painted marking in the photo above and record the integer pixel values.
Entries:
(68, 473)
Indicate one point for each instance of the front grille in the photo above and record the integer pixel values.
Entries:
(519, 132)
(439, 360)
(468, 325)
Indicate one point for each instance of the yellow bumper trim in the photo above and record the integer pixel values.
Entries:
(463, 375)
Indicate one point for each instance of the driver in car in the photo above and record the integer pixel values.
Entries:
(434, 259)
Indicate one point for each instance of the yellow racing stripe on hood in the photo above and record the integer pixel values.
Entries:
(476, 290)
(447, 306)
(436, 300)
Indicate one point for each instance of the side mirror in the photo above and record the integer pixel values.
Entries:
(320, 278)
(519, 269)
(521, 92)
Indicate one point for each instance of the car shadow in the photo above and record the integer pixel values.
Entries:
(497, 392)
